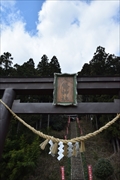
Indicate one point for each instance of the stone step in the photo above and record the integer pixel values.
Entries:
(76, 163)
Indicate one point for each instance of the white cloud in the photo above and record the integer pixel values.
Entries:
(69, 30)
(56, 17)
(7, 4)
(9, 13)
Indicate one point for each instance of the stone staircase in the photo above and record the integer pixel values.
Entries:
(76, 163)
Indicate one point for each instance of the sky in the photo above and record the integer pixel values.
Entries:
(71, 30)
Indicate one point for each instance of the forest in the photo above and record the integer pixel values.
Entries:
(21, 153)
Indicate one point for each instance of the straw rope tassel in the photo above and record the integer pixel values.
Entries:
(54, 148)
(65, 150)
(43, 144)
(82, 147)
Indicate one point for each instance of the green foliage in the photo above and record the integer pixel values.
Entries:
(25, 70)
(85, 169)
(58, 122)
(6, 60)
(46, 69)
(54, 66)
(43, 67)
(103, 169)
(102, 64)
(21, 153)
(19, 160)
(6, 64)
(114, 130)
(68, 169)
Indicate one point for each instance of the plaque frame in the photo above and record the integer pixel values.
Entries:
(65, 89)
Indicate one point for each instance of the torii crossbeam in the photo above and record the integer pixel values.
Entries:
(10, 87)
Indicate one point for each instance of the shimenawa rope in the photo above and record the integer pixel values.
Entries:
(57, 140)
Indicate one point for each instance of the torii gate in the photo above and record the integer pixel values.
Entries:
(10, 87)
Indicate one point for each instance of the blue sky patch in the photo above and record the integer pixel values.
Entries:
(29, 10)
(76, 21)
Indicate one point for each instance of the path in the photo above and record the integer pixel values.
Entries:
(76, 163)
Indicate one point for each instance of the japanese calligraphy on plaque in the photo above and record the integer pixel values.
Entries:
(65, 90)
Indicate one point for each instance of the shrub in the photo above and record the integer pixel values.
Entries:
(103, 169)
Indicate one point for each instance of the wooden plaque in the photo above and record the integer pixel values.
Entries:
(65, 90)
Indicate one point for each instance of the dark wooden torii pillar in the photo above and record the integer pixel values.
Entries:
(8, 98)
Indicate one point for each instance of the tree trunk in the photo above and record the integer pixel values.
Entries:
(113, 143)
(96, 120)
(117, 145)
(48, 121)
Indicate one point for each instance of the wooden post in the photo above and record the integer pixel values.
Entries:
(90, 172)
(62, 173)
(8, 98)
